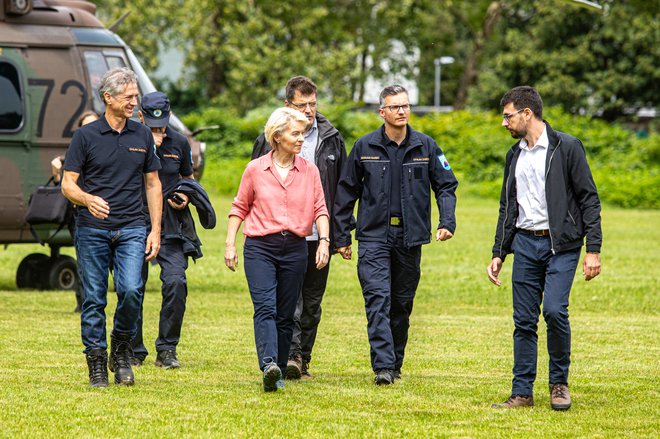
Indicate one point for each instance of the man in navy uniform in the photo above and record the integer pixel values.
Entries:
(549, 203)
(392, 171)
(105, 170)
(175, 156)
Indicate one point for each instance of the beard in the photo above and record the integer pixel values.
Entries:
(518, 134)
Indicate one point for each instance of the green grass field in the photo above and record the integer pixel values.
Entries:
(458, 360)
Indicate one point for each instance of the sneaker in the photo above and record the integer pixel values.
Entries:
(384, 377)
(272, 375)
(294, 368)
(304, 374)
(97, 359)
(560, 397)
(167, 360)
(396, 374)
(516, 401)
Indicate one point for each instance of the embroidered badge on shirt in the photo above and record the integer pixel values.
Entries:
(444, 162)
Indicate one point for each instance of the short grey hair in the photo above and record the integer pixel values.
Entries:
(279, 121)
(391, 90)
(115, 80)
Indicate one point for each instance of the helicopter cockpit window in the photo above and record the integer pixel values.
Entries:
(97, 63)
(96, 67)
(11, 104)
(115, 61)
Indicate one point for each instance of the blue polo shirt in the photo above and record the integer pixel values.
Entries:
(112, 166)
(175, 159)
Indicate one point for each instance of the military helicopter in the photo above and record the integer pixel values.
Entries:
(53, 54)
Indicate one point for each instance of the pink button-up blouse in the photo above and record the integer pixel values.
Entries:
(269, 205)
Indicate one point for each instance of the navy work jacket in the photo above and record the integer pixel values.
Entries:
(366, 176)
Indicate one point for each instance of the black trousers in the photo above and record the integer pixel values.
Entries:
(389, 274)
(173, 264)
(308, 309)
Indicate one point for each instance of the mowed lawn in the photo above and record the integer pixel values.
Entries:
(458, 360)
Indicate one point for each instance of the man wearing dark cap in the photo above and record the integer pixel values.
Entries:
(109, 165)
(175, 156)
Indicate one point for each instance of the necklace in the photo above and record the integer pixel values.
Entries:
(283, 166)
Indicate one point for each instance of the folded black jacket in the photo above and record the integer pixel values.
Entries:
(179, 224)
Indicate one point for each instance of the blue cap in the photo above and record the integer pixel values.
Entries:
(155, 108)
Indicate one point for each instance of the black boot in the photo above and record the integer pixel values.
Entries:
(97, 359)
(119, 361)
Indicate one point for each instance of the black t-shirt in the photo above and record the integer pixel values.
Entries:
(395, 153)
(112, 166)
(175, 159)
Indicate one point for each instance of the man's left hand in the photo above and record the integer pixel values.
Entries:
(443, 235)
(591, 266)
(153, 245)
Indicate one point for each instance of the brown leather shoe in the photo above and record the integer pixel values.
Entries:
(560, 397)
(515, 401)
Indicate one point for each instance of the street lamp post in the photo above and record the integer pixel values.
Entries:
(438, 65)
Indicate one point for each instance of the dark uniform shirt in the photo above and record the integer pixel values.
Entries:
(395, 153)
(175, 159)
(112, 166)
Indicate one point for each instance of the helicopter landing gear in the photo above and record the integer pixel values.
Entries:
(40, 272)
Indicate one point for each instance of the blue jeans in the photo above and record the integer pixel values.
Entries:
(275, 269)
(96, 249)
(389, 274)
(540, 277)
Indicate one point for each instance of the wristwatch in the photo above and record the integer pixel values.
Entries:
(324, 238)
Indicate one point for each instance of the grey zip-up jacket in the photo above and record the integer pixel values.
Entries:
(570, 193)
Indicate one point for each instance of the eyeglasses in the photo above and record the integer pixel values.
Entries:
(508, 117)
(396, 108)
(304, 105)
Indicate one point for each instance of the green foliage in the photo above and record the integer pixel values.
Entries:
(602, 63)
(458, 358)
(626, 168)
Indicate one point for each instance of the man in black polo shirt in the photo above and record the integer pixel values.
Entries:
(106, 167)
(392, 171)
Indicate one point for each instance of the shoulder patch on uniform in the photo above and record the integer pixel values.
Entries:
(444, 162)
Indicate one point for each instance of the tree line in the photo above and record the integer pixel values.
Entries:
(239, 53)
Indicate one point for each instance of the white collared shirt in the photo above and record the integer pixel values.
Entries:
(530, 185)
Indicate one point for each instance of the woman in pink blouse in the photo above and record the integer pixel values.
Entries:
(279, 199)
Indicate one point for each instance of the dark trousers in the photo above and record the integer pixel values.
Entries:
(389, 275)
(540, 277)
(308, 309)
(173, 264)
(274, 267)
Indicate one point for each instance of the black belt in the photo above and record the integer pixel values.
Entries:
(545, 232)
(396, 221)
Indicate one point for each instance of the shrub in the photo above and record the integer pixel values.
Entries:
(626, 168)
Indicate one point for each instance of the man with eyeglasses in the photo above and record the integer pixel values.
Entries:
(323, 146)
(110, 163)
(391, 171)
(549, 203)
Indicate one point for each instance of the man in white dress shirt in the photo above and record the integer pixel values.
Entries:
(549, 204)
